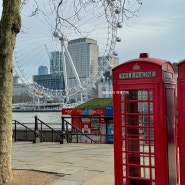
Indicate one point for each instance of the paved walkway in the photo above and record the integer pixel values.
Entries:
(81, 164)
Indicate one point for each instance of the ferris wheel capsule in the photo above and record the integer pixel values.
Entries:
(115, 54)
(118, 39)
(56, 34)
(119, 25)
(117, 11)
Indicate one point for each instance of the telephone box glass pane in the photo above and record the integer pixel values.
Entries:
(122, 107)
(143, 95)
(123, 119)
(151, 120)
(132, 95)
(153, 174)
(151, 107)
(142, 107)
(151, 94)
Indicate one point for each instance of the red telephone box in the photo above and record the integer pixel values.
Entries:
(144, 122)
(181, 118)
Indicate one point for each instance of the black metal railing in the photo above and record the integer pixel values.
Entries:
(28, 130)
(53, 131)
(63, 133)
(65, 126)
(69, 134)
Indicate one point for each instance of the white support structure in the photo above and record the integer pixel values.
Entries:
(64, 49)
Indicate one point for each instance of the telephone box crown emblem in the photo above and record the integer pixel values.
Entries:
(136, 67)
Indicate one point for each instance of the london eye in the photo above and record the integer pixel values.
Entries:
(49, 27)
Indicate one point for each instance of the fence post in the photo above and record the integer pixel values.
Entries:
(67, 132)
(15, 131)
(52, 135)
(62, 131)
(77, 138)
(37, 139)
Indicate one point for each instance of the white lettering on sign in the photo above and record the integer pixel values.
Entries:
(145, 74)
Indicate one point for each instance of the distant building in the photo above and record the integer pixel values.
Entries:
(84, 53)
(50, 81)
(104, 87)
(19, 88)
(15, 79)
(20, 91)
(42, 70)
(112, 60)
(56, 65)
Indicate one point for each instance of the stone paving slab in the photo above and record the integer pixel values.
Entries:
(81, 164)
(65, 182)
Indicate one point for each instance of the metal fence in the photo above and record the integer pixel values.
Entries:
(43, 132)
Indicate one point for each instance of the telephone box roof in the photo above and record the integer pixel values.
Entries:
(144, 57)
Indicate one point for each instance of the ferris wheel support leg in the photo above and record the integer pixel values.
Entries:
(64, 66)
(81, 94)
(73, 67)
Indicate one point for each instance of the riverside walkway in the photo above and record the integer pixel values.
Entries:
(81, 164)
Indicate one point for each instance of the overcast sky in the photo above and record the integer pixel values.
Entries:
(158, 30)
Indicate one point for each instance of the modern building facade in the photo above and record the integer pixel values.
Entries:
(42, 70)
(84, 53)
(50, 81)
(56, 65)
(20, 91)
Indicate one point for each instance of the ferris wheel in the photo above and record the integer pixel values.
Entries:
(47, 27)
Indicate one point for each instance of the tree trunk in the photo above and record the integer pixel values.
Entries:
(9, 27)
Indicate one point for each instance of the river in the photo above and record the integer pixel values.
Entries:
(28, 117)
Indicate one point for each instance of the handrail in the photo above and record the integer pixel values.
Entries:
(27, 128)
(53, 131)
(84, 134)
(62, 131)
(81, 133)
(49, 127)
(15, 121)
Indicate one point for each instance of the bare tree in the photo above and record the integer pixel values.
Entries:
(10, 25)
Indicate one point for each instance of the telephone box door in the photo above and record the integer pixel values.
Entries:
(181, 118)
(137, 136)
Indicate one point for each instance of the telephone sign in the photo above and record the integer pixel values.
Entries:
(144, 74)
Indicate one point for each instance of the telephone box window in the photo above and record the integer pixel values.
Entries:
(123, 119)
(138, 134)
(151, 95)
(122, 107)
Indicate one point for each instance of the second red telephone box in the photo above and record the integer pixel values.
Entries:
(181, 118)
(144, 122)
